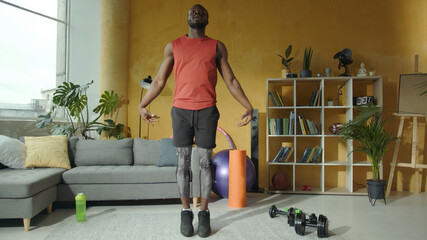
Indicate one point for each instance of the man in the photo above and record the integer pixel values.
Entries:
(195, 59)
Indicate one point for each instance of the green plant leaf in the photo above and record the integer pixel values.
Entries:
(43, 121)
(64, 94)
(76, 107)
(288, 51)
(110, 122)
(367, 129)
(112, 129)
(107, 103)
(62, 129)
(308, 53)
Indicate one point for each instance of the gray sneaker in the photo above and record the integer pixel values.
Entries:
(187, 223)
(204, 229)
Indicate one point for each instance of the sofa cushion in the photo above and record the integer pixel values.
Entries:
(47, 151)
(167, 153)
(119, 174)
(12, 152)
(72, 142)
(104, 152)
(146, 152)
(22, 183)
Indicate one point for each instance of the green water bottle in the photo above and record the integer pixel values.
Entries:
(80, 207)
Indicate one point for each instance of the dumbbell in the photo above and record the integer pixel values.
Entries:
(289, 212)
(320, 223)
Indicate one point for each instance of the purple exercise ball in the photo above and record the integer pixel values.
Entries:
(220, 173)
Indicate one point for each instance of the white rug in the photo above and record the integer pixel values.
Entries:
(232, 224)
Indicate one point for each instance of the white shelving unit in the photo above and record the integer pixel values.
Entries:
(337, 161)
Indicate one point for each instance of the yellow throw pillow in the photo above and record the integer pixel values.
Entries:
(48, 151)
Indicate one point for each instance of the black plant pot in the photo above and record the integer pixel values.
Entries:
(376, 190)
(305, 73)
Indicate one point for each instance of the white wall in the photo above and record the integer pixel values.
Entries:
(85, 41)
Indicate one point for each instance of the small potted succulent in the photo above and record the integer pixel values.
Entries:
(286, 61)
(330, 101)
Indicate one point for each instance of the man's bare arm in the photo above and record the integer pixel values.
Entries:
(157, 85)
(232, 84)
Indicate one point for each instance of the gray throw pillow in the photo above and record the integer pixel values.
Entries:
(104, 152)
(167, 153)
(72, 144)
(146, 152)
(12, 152)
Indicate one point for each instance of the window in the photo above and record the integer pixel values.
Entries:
(33, 59)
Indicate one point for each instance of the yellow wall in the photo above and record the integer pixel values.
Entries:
(385, 35)
(115, 54)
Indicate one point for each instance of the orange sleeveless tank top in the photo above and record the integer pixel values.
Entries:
(195, 72)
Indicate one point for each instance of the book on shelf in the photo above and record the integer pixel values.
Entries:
(316, 127)
(276, 158)
(283, 154)
(288, 154)
(307, 126)
(272, 125)
(279, 126)
(289, 151)
(313, 98)
(301, 124)
(276, 99)
(280, 98)
(270, 94)
(317, 154)
(291, 123)
(305, 155)
(286, 126)
(318, 96)
(312, 153)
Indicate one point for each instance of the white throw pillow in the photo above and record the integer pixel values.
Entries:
(12, 152)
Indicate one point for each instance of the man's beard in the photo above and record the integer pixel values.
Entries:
(197, 25)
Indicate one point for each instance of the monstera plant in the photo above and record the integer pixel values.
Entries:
(73, 100)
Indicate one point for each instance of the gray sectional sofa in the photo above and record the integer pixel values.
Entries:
(127, 169)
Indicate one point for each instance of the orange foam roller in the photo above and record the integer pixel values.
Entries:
(237, 179)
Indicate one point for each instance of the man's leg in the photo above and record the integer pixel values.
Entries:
(205, 176)
(204, 229)
(183, 179)
(205, 135)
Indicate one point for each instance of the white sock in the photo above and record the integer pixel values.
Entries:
(188, 209)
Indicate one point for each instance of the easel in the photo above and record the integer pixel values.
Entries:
(414, 151)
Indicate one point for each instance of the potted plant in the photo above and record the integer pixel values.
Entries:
(286, 61)
(330, 101)
(367, 129)
(73, 100)
(306, 72)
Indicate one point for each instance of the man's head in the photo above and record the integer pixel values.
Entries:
(198, 17)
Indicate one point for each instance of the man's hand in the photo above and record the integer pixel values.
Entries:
(247, 118)
(148, 117)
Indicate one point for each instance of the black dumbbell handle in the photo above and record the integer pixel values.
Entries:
(281, 212)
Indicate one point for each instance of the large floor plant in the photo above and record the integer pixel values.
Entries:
(73, 100)
(367, 129)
